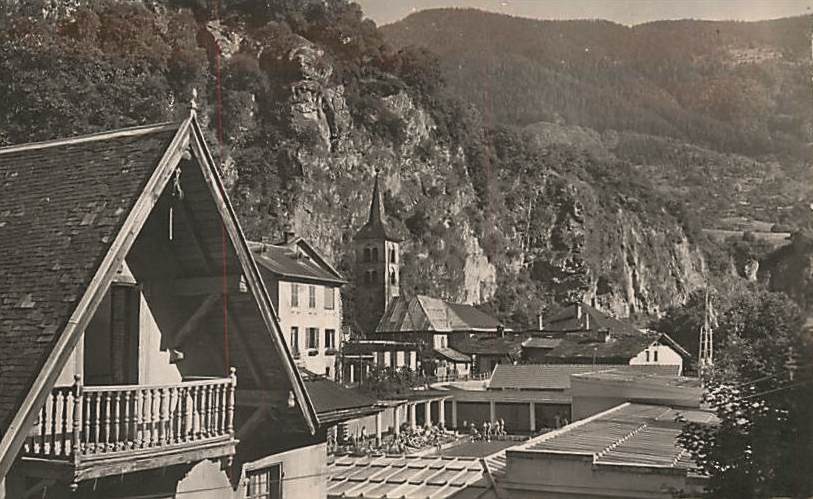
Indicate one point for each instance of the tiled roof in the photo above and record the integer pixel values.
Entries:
(629, 434)
(399, 476)
(377, 226)
(536, 376)
(490, 344)
(61, 207)
(583, 347)
(289, 262)
(452, 354)
(425, 313)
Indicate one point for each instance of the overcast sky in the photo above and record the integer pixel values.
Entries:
(621, 11)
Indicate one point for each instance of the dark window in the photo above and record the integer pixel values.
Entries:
(313, 338)
(393, 256)
(374, 276)
(367, 256)
(393, 277)
(647, 355)
(655, 355)
(375, 255)
(265, 483)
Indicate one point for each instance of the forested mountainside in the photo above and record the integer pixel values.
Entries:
(718, 114)
(303, 100)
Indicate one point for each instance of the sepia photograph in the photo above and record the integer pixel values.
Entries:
(406, 249)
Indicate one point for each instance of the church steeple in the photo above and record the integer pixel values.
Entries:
(377, 272)
(376, 226)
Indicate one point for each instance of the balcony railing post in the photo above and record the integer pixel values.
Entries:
(230, 407)
(77, 416)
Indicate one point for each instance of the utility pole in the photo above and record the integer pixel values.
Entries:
(706, 337)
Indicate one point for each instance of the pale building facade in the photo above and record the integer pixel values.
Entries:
(305, 291)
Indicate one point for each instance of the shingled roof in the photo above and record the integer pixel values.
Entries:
(377, 226)
(70, 212)
(424, 313)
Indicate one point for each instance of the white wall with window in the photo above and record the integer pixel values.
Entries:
(658, 354)
(311, 314)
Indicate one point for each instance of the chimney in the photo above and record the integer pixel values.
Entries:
(539, 323)
(288, 233)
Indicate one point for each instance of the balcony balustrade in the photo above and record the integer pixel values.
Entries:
(82, 425)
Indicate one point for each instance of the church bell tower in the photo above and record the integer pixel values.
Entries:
(377, 258)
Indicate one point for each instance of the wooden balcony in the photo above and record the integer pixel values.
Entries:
(86, 432)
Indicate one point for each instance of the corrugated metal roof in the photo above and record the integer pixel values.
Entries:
(629, 434)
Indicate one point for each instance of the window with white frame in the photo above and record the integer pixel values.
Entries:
(330, 298)
(311, 296)
(312, 338)
(330, 339)
(295, 340)
(265, 483)
(294, 294)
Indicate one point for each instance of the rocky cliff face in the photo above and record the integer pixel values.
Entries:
(572, 237)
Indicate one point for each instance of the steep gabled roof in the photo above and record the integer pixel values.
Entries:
(70, 212)
(425, 313)
(291, 262)
(582, 317)
(377, 226)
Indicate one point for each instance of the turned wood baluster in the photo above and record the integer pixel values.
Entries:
(77, 411)
(139, 418)
(178, 414)
(221, 415)
(86, 414)
(97, 423)
(127, 438)
(207, 410)
(147, 417)
(43, 427)
(164, 427)
(117, 420)
(54, 406)
(63, 451)
(230, 408)
(195, 413)
(107, 419)
(155, 416)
